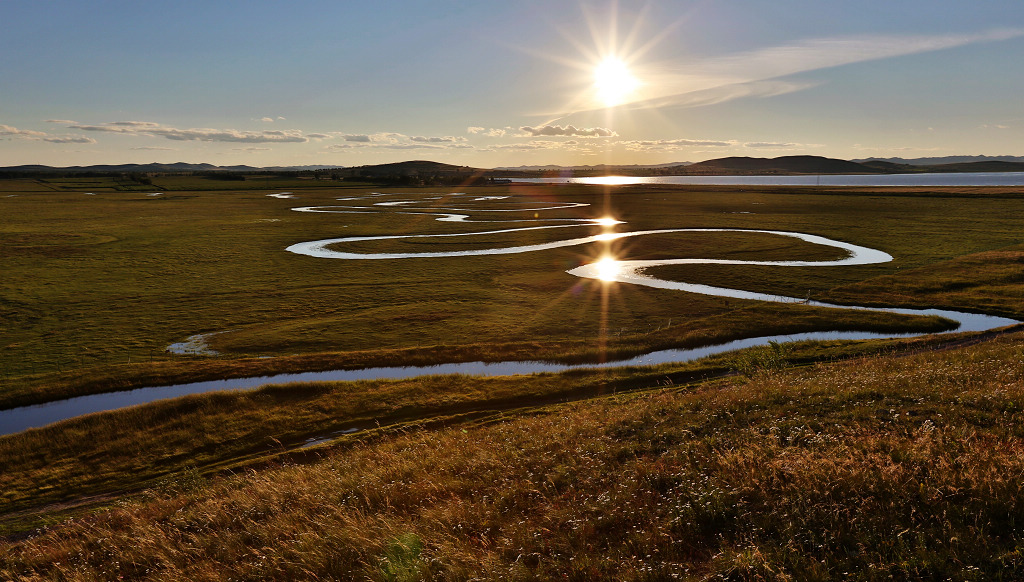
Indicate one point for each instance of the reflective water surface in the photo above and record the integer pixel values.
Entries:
(939, 179)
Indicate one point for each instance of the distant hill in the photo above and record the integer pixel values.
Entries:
(413, 168)
(429, 172)
(177, 167)
(423, 173)
(987, 166)
(893, 167)
(781, 165)
(961, 167)
(944, 160)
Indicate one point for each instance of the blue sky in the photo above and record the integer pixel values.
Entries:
(506, 83)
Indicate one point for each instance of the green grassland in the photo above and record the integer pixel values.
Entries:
(91, 283)
(826, 460)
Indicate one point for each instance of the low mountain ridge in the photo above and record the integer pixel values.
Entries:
(415, 169)
(781, 165)
(147, 168)
(935, 161)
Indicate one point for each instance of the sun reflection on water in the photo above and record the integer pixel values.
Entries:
(607, 269)
(612, 180)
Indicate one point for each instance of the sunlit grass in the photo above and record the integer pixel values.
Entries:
(887, 467)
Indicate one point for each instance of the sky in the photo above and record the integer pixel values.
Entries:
(497, 84)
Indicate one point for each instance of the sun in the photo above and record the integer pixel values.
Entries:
(614, 83)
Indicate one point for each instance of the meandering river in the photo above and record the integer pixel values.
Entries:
(609, 270)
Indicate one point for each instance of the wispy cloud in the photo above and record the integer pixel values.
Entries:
(134, 123)
(489, 132)
(389, 140)
(60, 121)
(529, 146)
(778, 145)
(69, 139)
(197, 134)
(667, 145)
(560, 130)
(8, 130)
(33, 135)
(727, 92)
(541, 144)
(411, 146)
(758, 73)
(444, 139)
(155, 149)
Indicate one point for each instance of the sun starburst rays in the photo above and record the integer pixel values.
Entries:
(614, 83)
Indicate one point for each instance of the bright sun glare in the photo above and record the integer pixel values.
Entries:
(614, 82)
(607, 269)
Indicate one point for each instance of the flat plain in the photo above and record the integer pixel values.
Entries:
(96, 286)
(93, 281)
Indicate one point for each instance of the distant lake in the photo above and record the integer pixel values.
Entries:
(944, 179)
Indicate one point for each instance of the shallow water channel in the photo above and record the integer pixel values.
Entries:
(609, 270)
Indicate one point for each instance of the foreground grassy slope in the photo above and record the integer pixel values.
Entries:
(130, 449)
(905, 467)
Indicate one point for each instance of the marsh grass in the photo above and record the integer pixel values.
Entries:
(92, 283)
(763, 359)
(616, 343)
(884, 467)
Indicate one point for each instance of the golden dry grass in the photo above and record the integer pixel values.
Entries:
(886, 467)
